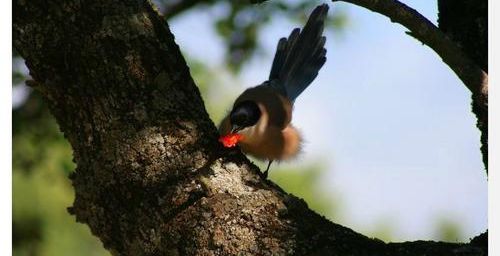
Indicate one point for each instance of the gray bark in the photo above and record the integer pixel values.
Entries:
(151, 178)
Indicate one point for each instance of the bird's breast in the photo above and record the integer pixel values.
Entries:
(271, 142)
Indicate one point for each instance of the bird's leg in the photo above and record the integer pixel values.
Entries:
(267, 169)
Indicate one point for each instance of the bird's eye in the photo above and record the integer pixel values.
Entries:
(239, 118)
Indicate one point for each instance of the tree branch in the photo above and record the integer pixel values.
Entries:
(173, 9)
(151, 178)
(474, 78)
(422, 29)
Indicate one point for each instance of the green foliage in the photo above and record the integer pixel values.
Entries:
(383, 230)
(218, 87)
(41, 163)
(41, 225)
(303, 182)
(239, 23)
(449, 230)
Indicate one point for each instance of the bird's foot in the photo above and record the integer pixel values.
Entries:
(266, 173)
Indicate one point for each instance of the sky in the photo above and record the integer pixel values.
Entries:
(390, 121)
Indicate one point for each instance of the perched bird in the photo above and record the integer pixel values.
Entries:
(260, 120)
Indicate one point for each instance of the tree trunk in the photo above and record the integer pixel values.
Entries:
(151, 178)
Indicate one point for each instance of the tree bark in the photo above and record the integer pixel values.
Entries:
(151, 178)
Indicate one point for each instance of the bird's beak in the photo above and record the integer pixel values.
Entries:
(235, 129)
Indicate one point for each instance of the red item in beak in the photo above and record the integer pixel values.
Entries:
(230, 140)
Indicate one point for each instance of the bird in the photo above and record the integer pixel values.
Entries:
(260, 119)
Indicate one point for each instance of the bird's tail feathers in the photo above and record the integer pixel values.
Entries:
(299, 57)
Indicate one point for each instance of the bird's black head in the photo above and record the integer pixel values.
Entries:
(244, 114)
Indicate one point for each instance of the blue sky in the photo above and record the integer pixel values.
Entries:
(391, 121)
